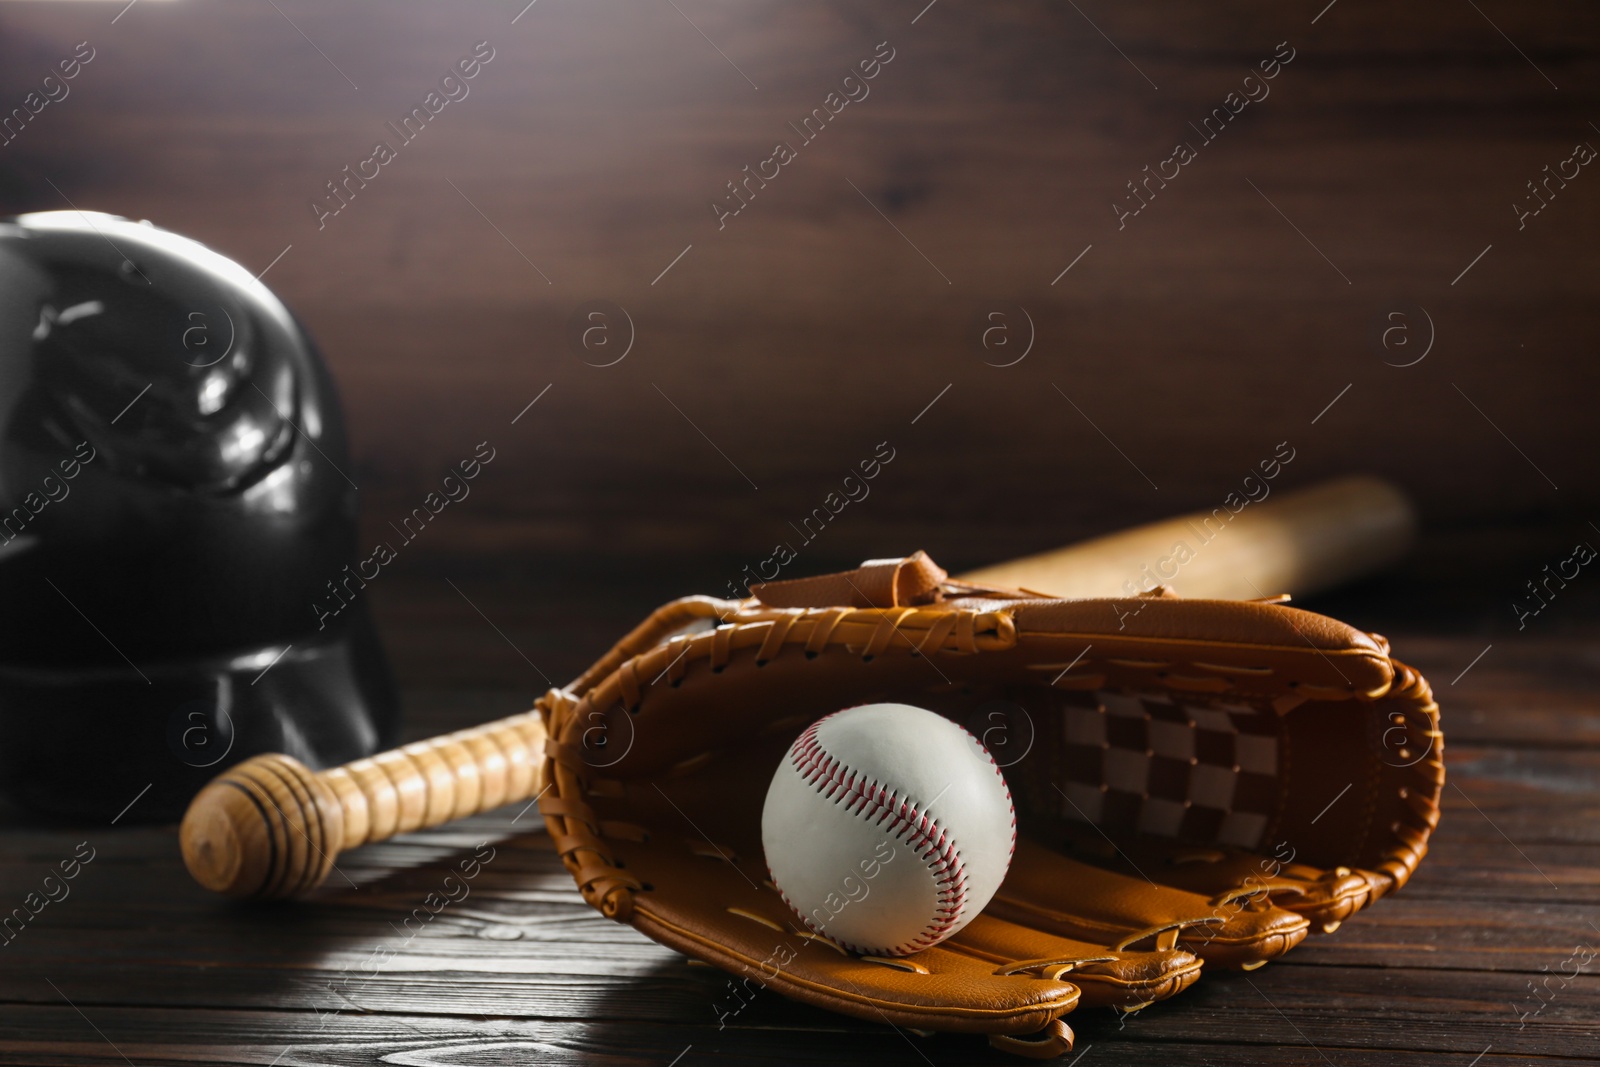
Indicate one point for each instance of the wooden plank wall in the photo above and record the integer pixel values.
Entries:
(784, 346)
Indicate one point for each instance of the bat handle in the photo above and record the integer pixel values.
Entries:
(271, 827)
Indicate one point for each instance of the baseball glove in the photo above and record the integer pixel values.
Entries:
(1196, 782)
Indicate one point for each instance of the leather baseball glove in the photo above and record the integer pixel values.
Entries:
(1196, 782)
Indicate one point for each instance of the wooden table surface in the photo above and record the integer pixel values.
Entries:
(1477, 955)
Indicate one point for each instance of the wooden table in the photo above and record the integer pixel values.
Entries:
(139, 965)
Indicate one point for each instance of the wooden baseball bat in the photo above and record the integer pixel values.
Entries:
(1299, 543)
(272, 827)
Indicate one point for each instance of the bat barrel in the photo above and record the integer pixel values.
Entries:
(1298, 543)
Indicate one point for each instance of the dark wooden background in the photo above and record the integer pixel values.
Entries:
(777, 353)
(808, 330)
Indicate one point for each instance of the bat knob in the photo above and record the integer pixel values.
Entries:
(267, 828)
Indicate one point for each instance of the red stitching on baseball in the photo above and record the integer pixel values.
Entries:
(866, 799)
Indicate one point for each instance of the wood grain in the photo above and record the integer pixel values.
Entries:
(273, 828)
(520, 968)
(1191, 342)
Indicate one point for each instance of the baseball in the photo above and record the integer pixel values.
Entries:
(887, 828)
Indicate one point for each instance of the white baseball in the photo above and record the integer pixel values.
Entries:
(887, 828)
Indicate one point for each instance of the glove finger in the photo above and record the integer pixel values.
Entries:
(1053, 892)
(1234, 880)
(1118, 978)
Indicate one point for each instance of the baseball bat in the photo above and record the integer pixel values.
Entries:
(1300, 543)
(271, 827)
